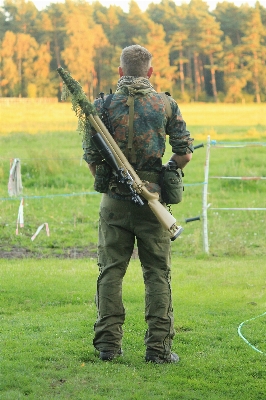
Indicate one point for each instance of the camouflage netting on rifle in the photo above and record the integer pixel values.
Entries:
(80, 104)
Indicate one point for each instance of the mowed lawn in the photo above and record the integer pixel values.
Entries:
(47, 317)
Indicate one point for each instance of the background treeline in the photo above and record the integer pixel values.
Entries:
(199, 55)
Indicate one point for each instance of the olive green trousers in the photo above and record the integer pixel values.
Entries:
(120, 223)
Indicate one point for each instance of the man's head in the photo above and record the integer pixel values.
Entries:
(135, 61)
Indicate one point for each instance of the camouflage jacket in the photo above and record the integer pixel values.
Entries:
(151, 125)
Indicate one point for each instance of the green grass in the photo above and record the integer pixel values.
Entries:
(47, 321)
(52, 173)
(47, 304)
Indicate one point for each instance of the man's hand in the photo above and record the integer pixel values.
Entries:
(181, 161)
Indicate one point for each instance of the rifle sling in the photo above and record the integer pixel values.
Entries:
(167, 104)
(131, 153)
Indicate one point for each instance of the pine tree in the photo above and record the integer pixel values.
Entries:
(56, 31)
(211, 46)
(134, 25)
(172, 19)
(18, 54)
(21, 16)
(9, 78)
(235, 79)
(197, 13)
(253, 49)
(163, 73)
(81, 46)
(110, 20)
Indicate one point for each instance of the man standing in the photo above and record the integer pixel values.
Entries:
(139, 120)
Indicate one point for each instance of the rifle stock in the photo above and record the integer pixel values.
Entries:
(162, 214)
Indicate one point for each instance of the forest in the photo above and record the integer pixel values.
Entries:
(198, 55)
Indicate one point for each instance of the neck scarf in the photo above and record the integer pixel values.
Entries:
(138, 83)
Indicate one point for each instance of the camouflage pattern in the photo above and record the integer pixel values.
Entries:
(151, 126)
(123, 222)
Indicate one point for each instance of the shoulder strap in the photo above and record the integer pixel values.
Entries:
(167, 104)
(105, 114)
(108, 100)
(130, 152)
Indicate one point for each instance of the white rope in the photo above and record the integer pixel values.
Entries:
(240, 209)
(245, 340)
(15, 182)
(244, 178)
(39, 229)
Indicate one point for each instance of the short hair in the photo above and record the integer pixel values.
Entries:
(135, 60)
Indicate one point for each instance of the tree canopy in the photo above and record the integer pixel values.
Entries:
(198, 54)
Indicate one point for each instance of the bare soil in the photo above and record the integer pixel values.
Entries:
(15, 252)
(18, 252)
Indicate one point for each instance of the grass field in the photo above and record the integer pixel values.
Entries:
(47, 321)
(47, 291)
(44, 137)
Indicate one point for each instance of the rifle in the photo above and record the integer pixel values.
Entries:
(87, 114)
(122, 175)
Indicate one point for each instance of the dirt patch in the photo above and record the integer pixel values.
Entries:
(15, 252)
(73, 252)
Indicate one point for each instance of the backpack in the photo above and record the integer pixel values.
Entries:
(165, 97)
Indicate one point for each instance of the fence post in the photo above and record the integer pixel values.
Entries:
(205, 198)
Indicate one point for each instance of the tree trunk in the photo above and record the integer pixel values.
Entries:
(0, 70)
(202, 79)
(57, 50)
(213, 80)
(20, 76)
(189, 72)
(181, 67)
(256, 78)
(196, 75)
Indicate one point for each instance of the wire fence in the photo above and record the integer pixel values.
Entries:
(205, 205)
